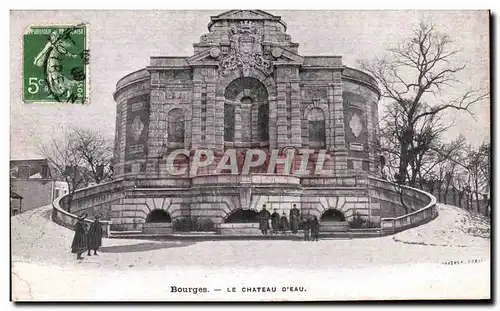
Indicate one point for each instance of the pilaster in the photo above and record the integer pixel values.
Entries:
(296, 123)
(273, 121)
(219, 124)
(340, 151)
(196, 115)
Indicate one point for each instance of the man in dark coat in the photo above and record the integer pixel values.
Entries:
(275, 221)
(284, 223)
(315, 228)
(264, 216)
(79, 245)
(94, 236)
(294, 219)
(306, 228)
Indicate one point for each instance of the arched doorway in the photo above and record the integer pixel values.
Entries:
(242, 216)
(246, 113)
(240, 221)
(158, 222)
(158, 215)
(332, 215)
(333, 220)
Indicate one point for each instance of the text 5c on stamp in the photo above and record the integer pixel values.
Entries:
(56, 64)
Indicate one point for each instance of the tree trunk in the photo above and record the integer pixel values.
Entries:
(403, 163)
(70, 200)
(477, 202)
(445, 199)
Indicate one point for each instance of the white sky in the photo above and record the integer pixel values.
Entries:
(123, 41)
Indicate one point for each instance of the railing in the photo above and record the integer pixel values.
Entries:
(422, 215)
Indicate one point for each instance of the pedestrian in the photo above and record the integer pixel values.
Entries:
(79, 245)
(94, 236)
(275, 221)
(315, 228)
(306, 227)
(284, 223)
(294, 219)
(264, 217)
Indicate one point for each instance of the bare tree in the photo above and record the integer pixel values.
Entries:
(454, 153)
(478, 180)
(96, 150)
(485, 151)
(62, 155)
(419, 68)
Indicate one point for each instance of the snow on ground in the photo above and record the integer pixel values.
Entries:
(453, 227)
(411, 264)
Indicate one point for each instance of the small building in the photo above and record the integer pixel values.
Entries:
(35, 182)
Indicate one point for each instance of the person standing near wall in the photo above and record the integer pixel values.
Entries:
(275, 221)
(284, 223)
(315, 228)
(264, 217)
(294, 219)
(306, 227)
(79, 244)
(94, 236)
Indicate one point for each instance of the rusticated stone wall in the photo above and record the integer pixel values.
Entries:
(125, 205)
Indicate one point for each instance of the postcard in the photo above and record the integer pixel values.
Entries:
(250, 155)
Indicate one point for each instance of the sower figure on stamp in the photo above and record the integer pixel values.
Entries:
(294, 219)
(284, 223)
(264, 217)
(94, 236)
(51, 57)
(315, 228)
(275, 221)
(79, 245)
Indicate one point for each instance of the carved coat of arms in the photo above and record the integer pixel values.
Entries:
(246, 50)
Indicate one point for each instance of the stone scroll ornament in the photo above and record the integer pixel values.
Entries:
(246, 50)
(356, 125)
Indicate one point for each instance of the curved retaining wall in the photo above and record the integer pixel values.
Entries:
(90, 200)
(421, 204)
(385, 198)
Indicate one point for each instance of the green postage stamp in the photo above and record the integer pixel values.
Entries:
(56, 64)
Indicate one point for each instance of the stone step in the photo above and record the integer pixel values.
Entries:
(208, 236)
(157, 230)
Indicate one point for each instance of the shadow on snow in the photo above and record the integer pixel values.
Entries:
(142, 247)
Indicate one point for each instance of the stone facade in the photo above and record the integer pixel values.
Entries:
(245, 87)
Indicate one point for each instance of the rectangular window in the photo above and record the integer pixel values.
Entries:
(24, 171)
(45, 171)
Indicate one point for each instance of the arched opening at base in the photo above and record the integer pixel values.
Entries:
(158, 215)
(332, 215)
(242, 216)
